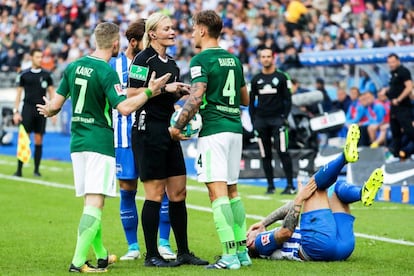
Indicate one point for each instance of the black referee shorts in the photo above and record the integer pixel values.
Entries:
(156, 154)
(32, 120)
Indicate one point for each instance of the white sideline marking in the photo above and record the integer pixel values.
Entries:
(191, 206)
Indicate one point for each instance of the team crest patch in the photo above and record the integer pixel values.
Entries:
(118, 89)
(138, 72)
(265, 239)
(195, 71)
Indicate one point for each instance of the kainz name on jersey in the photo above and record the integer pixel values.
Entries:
(84, 71)
(227, 62)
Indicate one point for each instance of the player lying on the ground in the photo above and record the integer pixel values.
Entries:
(326, 225)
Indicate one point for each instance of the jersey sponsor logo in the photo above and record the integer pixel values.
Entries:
(267, 89)
(138, 72)
(195, 71)
(118, 89)
(265, 239)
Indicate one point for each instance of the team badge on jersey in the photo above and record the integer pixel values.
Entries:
(275, 81)
(195, 71)
(138, 72)
(118, 89)
(265, 239)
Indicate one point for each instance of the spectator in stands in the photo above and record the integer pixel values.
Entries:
(375, 113)
(381, 131)
(325, 105)
(295, 15)
(343, 100)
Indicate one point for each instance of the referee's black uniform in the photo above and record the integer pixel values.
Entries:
(401, 115)
(156, 154)
(270, 104)
(35, 83)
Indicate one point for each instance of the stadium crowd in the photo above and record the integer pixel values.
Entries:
(63, 28)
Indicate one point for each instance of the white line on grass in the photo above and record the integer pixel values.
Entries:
(191, 206)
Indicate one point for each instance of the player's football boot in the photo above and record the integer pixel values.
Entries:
(104, 263)
(244, 258)
(371, 187)
(226, 262)
(191, 259)
(166, 252)
(86, 268)
(351, 144)
(131, 255)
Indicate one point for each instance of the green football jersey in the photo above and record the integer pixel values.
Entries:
(95, 89)
(223, 74)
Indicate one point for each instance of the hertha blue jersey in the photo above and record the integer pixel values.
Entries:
(268, 248)
(122, 124)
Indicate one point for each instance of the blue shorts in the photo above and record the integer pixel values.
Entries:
(125, 164)
(327, 236)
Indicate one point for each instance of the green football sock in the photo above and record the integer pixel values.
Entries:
(88, 227)
(223, 218)
(97, 244)
(239, 226)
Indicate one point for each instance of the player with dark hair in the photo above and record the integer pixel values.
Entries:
(36, 83)
(94, 88)
(270, 105)
(401, 112)
(217, 91)
(326, 224)
(160, 159)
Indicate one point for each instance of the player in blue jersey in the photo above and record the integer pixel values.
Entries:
(126, 171)
(326, 224)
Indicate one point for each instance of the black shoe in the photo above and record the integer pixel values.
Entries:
(288, 191)
(190, 258)
(104, 263)
(159, 262)
(37, 174)
(18, 174)
(86, 268)
(270, 191)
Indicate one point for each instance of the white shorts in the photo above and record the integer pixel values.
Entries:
(219, 157)
(94, 173)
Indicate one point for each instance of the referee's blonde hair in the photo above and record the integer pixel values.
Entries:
(105, 35)
(151, 25)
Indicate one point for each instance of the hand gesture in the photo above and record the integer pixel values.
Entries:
(44, 109)
(155, 85)
(178, 87)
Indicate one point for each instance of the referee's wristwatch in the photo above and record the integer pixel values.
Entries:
(15, 110)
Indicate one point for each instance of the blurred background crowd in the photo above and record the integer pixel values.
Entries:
(62, 28)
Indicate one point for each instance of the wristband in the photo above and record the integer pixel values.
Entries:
(15, 111)
(148, 92)
(163, 90)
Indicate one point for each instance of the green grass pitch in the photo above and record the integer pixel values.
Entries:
(39, 218)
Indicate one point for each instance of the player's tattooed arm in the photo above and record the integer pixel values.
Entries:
(278, 214)
(192, 104)
(292, 218)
